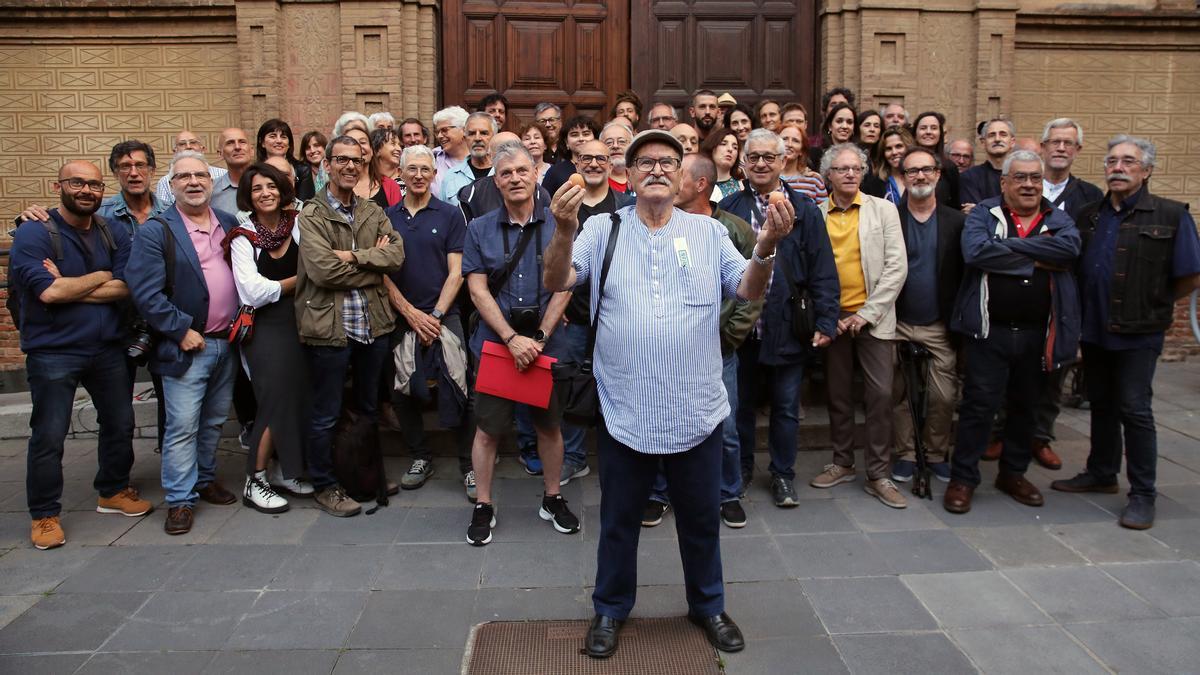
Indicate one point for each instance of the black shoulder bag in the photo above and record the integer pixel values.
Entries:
(804, 318)
(575, 382)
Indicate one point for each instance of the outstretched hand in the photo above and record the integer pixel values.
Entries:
(780, 217)
(564, 206)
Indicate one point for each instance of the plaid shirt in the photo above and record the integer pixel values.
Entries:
(355, 320)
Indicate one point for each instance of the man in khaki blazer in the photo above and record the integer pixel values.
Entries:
(872, 264)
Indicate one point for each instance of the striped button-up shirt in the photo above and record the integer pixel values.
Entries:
(658, 344)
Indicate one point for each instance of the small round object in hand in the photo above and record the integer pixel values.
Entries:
(577, 179)
(775, 197)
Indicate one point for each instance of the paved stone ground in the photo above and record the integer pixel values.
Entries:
(840, 584)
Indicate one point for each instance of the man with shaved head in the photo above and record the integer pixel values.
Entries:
(68, 274)
(184, 140)
(687, 136)
(237, 152)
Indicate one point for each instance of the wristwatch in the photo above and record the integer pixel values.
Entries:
(437, 314)
(540, 336)
(755, 257)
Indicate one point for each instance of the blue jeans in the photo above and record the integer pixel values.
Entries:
(746, 412)
(785, 419)
(53, 378)
(327, 374)
(731, 451)
(575, 344)
(1119, 389)
(197, 404)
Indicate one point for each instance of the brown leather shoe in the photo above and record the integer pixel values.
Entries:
(215, 493)
(958, 497)
(179, 520)
(1045, 455)
(993, 451)
(1016, 486)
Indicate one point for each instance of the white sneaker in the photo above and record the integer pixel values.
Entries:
(290, 485)
(259, 495)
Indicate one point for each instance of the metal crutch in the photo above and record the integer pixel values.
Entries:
(914, 363)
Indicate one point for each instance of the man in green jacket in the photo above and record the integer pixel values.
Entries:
(698, 174)
(342, 309)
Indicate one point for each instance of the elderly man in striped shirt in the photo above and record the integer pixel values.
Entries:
(658, 373)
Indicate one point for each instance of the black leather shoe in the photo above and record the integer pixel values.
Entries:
(721, 631)
(601, 640)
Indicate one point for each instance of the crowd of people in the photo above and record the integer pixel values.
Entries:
(751, 250)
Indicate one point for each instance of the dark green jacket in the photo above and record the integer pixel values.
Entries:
(737, 318)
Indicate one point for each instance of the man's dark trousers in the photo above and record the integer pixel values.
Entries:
(626, 476)
(1004, 367)
(328, 367)
(1119, 389)
(53, 377)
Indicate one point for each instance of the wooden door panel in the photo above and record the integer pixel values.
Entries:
(571, 52)
(753, 49)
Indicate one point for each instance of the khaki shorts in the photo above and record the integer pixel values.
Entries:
(494, 415)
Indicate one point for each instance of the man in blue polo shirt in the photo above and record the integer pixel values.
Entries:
(423, 291)
(1140, 254)
(69, 274)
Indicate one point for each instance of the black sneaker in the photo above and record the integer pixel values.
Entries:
(653, 514)
(783, 492)
(733, 515)
(1138, 513)
(554, 509)
(483, 519)
(1085, 482)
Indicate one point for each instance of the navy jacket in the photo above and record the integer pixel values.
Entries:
(987, 249)
(187, 308)
(807, 257)
(75, 327)
(949, 254)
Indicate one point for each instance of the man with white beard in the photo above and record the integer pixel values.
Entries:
(935, 266)
(616, 137)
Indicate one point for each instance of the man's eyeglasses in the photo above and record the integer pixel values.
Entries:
(647, 164)
(343, 160)
(550, 120)
(756, 157)
(77, 184)
(588, 159)
(140, 167)
(846, 170)
(1022, 178)
(662, 119)
(189, 176)
(193, 143)
(912, 172)
(1112, 162)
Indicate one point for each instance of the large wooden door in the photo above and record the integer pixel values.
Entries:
(754, 49)
(571, 52)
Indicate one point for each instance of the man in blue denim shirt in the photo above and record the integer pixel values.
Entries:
(72, 334)
(522, 315)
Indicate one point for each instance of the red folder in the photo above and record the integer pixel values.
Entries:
(498, 376)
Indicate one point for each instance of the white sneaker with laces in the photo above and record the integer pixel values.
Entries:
(290, 485)
(258, 495)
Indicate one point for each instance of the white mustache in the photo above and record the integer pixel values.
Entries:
(655, 180)
(1118, 176)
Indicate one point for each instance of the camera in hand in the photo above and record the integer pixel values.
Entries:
(142, 344)
(525, 319)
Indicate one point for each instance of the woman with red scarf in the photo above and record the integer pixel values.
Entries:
(264, 251)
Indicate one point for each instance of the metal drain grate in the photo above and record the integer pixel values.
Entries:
(660, 646)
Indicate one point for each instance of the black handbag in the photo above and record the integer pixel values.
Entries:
(804, 317)
(575, 383)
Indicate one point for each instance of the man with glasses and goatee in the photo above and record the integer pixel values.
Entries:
(68, 273)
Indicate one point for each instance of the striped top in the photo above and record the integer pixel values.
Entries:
(658, 345)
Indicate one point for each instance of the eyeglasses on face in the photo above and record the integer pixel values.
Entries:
(128, 167)
(756, 157)
(598, 159)
(846, 170)
(189, 176)
(343, 160)
(912, 172)
(78, 184)
(647, 164)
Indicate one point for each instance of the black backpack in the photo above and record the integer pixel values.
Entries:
(358, 460)
(13, 302)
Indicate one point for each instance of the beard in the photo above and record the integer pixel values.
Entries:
(921, 191)
(72, 205)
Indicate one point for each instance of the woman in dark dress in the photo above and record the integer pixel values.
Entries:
(264, 253)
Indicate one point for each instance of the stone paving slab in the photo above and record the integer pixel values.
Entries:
(838, 584)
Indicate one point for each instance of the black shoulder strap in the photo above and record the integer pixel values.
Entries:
(497, 282)
(55, 237)
(105, 233)
(613, 233)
